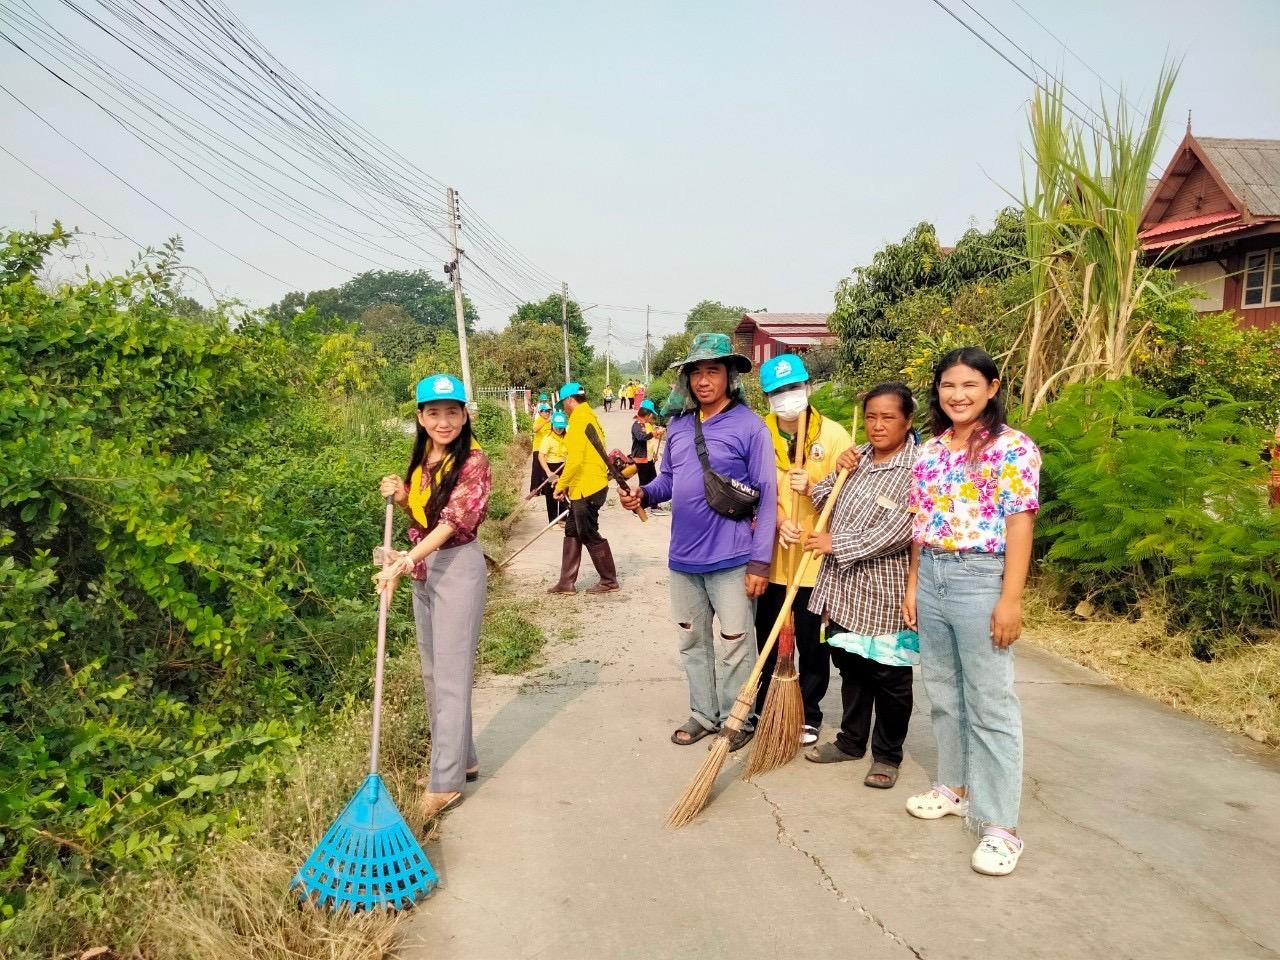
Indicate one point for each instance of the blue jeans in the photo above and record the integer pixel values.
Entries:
(977, 721)
(716, 664)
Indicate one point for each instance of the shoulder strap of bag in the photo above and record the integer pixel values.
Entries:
(699, 442)
(595, 442)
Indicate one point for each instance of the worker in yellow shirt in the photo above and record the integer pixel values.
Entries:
(584, 485)
(785, 382)
(541, 427)
(551, 454)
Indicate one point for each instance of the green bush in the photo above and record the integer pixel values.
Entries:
(1147, 495)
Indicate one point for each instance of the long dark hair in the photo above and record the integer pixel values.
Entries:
(455, 457)
(992, 419)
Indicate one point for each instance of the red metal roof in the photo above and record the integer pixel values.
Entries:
(803, 340)
(1180, 232)
(786, 321)
(1174, 226)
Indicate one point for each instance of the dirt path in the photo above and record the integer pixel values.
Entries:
(1149, 833)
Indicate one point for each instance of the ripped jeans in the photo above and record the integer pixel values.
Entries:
(717, 659)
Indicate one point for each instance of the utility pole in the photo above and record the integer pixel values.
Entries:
(454, 270)
(564, 325)
(608, 345)
(647, 351)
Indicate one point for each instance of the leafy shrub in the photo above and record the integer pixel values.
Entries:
(1146, 494)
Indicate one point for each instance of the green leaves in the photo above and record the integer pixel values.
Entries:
(1142, 493)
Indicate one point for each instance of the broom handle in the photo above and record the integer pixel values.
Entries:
(383, 604)
(534, 537)
(801, 445)
(794, 586)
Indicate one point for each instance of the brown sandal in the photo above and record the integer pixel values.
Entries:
(692, 732)
(886, 770)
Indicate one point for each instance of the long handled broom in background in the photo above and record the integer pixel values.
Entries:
(779, 729)
(695, 796)
(369, 858)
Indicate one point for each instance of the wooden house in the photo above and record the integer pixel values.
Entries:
(761, 336)
(1214, 216)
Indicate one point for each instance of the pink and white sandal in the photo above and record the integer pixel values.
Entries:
(939, 802)
(998, 852)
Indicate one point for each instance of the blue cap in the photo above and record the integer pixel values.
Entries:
(569, 390)
(648, 405)
(559, 421)
(440, 386)
(543, 406)
(543, 397)
(784, 370)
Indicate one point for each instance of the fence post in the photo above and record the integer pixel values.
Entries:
(511, 403)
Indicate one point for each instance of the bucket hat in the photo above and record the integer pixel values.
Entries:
(714, 346)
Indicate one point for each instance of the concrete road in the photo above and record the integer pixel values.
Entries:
(1149, 834)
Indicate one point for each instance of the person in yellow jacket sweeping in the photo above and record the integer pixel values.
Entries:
(584, 485)
(786, 385)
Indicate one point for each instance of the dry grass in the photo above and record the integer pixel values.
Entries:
(1238, 690)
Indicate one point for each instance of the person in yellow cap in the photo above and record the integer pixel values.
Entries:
(785, 382)
(584, 485)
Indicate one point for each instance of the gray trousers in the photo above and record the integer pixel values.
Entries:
(717, 664)
(448, 608)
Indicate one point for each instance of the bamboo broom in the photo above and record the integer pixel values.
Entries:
(695, 796)
(779, 729)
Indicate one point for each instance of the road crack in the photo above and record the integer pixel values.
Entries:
(787, 839)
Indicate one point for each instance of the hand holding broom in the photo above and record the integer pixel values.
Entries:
(695, 796)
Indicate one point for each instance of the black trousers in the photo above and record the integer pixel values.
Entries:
(554, 506)
(864, 685)
(584, 518)
(537, 475)
(646, 472)
(815, 660)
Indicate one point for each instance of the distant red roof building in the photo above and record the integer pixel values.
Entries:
(764, 335)
(1214, 216)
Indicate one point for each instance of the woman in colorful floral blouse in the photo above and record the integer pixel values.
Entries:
(975, 493)
(446, 493)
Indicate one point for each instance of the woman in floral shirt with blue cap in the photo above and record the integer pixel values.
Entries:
(975, 493)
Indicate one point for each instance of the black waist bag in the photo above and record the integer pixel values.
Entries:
(726, 496)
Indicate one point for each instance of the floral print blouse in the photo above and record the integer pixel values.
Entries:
(962, 509)
(467, 507)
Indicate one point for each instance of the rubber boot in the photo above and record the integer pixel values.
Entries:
(570, 561)
(602, 559)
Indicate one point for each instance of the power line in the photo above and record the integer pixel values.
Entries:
(97, 216)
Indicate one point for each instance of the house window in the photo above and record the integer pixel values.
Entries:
(1262, 279)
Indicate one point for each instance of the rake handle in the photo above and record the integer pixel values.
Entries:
(503, 563)
(384, 604)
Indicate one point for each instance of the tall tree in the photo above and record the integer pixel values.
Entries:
(427, 301)
(712, 316)
(547, 312)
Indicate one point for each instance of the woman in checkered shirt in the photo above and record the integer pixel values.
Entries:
(861, 584)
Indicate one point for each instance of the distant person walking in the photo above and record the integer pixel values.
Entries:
(584, 486)
(607, 397)
(975, 492)
(446, 494)
(718, 473)
(861, 584)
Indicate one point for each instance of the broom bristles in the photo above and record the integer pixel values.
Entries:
(778, 732)
(696, 795)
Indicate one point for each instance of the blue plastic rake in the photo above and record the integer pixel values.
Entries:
(369, 858)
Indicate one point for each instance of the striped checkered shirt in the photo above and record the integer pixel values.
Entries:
(862, 580)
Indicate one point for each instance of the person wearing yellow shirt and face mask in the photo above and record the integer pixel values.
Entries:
(786, 385)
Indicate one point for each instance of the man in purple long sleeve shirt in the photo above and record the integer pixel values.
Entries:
(718, 565)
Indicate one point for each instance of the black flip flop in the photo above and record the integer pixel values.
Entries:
(693, 729)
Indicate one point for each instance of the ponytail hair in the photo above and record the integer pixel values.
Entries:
(991, 422)
(455, 457)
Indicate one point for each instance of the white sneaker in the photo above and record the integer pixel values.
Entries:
(808, 735)
(998, 852)
(937, 803)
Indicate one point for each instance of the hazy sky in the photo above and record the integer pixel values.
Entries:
(660, 153)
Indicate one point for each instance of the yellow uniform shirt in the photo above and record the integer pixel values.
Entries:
(825, 446)
(541, 427)
(584, 470)
(553, 447)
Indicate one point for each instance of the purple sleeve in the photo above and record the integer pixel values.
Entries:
(764, 477)
(659, 491)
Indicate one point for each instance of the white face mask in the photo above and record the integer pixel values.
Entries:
(789, 404)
